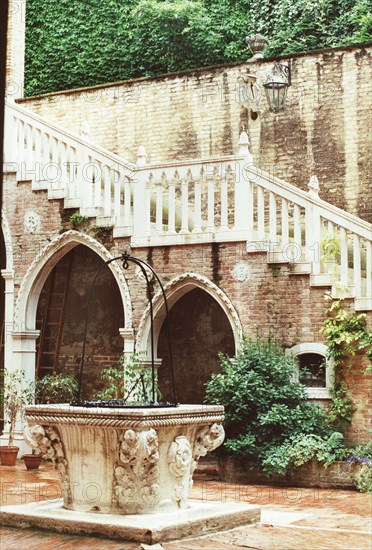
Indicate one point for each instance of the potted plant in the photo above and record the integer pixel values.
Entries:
(15, 395)
(32, 460)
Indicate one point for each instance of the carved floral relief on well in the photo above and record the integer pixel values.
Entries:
(207, 439)
(179, 464)
(136, 474)
(47, 440)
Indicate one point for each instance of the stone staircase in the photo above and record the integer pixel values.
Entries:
(199, 201)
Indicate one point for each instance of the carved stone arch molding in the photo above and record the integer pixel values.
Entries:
(49, 256)
(174, 290)
(8, 242)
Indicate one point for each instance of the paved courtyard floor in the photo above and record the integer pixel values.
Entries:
(292, 518)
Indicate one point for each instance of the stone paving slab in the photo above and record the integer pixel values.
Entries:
(198, 519)
(311, 519)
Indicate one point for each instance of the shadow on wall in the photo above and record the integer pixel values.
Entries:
(200, 330)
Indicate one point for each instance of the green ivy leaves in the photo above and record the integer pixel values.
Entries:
(71, 43)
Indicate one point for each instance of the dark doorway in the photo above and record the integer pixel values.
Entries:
(61, 319)
(200, 330)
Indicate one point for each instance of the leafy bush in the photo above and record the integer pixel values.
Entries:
(265, 409)
(128, 380)
(302, 449)
(361, 454)
(71, 43)
(56, 388)
(363, 479)
(346, 334)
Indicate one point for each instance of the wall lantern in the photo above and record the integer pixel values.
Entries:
(276, 86)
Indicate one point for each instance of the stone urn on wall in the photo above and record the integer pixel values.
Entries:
(257, 43)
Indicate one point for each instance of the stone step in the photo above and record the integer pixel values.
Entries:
(56, 193)
(122, 231)
(363, 304)
(322, 279)
(300, 268)
(105, 221)
(92, 212)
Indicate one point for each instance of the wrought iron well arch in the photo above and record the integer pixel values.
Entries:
(126, 259)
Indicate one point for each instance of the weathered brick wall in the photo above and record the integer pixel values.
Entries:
(271, 300)
(15, 49)
(339, 475)
(324, 130)
(359, 384)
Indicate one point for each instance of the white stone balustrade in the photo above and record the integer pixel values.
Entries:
(221, 199)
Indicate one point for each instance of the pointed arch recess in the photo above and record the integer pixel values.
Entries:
(37, 273)
(174, 290)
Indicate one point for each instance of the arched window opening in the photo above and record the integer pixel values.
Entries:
(315, 369)
(312, 370)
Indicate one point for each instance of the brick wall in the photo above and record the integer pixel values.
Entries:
(339, 475)
(15, 48)
(324, 130)
(271, 300)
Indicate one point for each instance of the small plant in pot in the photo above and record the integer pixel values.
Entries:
(15, 395)
(32, 461)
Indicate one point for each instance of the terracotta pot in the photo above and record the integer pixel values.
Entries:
(8, 455)
(32, 462)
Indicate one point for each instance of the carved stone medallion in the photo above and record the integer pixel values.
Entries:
(32, 222)
(242, 272)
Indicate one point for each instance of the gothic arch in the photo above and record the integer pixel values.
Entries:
(37, 273)
(174, 290)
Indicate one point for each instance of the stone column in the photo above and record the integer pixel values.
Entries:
(22, 357)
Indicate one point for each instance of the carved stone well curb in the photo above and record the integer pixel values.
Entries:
(125, 461)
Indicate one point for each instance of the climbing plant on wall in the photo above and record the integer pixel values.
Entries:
(72, 43)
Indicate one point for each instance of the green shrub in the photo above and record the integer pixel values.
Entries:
(128, 380)
(56, 388)
(363, 479)
(302, 449)
(265, 409)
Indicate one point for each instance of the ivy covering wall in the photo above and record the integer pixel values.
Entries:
(74, 43)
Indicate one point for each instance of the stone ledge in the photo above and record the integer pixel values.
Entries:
(199, 519)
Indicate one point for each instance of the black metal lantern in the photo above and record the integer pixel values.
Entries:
(276, 86)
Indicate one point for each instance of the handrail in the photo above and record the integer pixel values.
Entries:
(303, 198)
(41, 123)
(220, 199)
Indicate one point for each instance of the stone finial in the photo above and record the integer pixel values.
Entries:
(141, 156)
(314, 186)
(244, 144)
(257, 43)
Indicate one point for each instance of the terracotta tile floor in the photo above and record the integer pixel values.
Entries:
(292, 518)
